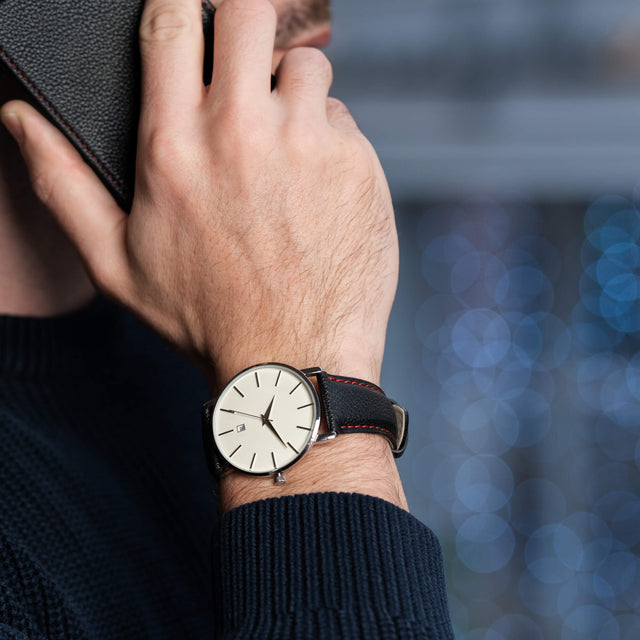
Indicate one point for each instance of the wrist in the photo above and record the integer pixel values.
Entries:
(360, 463)
(219, 372)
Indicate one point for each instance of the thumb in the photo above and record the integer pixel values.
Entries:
(72, 192)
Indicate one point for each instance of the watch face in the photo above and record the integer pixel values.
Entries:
(266, 418)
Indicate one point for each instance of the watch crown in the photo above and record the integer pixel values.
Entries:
(280, 478)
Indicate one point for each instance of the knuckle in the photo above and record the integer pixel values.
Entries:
(50, 184)
(305, 142)
(318, 60)
(42, 186)
(339, 115)
(336, 106)
(164, 23)
(310, 63)
(338, 110)
(244, 129)
(162, 150)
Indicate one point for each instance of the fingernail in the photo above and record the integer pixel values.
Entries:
(14, 126)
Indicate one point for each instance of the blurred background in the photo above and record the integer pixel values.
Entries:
(510, 133)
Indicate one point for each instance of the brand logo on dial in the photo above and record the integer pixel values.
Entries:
(266, 418)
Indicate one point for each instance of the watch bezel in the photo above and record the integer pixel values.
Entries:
(224, 465)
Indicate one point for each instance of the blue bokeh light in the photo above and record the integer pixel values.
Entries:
(616, 582)
(481, 338)
(593, 539)
(485, 543)
(541, 556)
(621, 511)
(514, 626)
(537, 371)
(537, 502)
(585, 622)
(610, 286)
(484, 483)
(622, 627)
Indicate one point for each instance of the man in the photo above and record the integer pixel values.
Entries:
(261, 231)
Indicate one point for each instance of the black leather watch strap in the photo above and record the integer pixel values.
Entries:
(214, 461)
(352, 405)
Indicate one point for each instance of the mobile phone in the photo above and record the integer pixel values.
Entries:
(80, 64)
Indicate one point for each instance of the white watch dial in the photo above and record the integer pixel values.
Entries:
(266, 418)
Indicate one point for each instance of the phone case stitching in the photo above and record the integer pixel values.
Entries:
(10, 61)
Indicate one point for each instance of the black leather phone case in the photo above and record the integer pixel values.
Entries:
(79, 61)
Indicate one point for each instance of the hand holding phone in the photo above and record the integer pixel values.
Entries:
(261, 226)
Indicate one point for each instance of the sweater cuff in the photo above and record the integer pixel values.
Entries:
(331, 565)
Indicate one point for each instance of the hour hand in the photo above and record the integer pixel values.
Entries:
(267, 413)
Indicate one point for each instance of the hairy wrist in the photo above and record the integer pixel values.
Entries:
(219, 371)
(353, 463)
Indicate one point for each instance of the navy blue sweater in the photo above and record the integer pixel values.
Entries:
(108, 519)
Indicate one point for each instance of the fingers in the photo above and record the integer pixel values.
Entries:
(244, 38)
(304, 79)
(72, 192)
(171, 49)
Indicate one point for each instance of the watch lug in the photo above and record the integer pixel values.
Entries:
(312, 371)
(323, 437)
(402, 420)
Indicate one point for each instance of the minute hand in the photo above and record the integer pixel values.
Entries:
(269, 424)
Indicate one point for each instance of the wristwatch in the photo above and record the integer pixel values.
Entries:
(269, 415)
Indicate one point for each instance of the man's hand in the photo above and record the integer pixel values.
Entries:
(262, 227)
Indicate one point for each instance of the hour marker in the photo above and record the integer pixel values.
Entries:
(227, 410)
(257, 379)
(294, 388)
(240, 428)
(238, 390)
(235, 451)
(278, 378)
(293, 447)
(304, 406)
(253, 460)
(273, 457)
(224, 433)
(305, 428)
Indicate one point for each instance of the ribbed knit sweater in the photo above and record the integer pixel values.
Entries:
(108, 519)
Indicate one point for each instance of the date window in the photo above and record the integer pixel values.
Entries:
(240, 428)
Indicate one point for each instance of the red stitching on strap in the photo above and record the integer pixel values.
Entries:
(367, 426)
(360, 384)
(6, 56)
